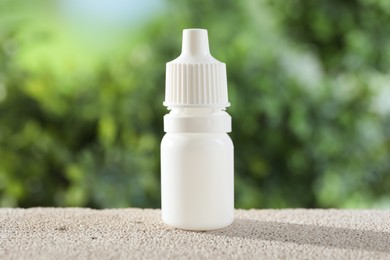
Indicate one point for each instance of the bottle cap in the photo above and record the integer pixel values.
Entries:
(195, 78)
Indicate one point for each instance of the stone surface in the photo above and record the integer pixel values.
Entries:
(76, 233)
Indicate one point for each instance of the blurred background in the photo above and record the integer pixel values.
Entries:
(82, 86)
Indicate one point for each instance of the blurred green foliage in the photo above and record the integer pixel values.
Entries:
(81, 125)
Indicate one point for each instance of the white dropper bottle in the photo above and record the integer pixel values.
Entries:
(197, 175)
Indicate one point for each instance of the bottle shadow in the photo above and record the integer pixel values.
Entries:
(343, 238)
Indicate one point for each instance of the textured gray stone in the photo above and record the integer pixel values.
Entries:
(78, 233)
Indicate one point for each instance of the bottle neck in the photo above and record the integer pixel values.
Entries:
(197, 120)
(194, 111)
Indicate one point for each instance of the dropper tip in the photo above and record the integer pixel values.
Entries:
(195, 42)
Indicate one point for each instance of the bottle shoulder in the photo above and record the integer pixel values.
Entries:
(197, 120)
(196, 139)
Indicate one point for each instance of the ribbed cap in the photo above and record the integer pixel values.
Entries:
(195, 78)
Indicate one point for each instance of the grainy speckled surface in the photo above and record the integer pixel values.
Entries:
(75, 233)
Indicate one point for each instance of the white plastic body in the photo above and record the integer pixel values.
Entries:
(197, 179)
